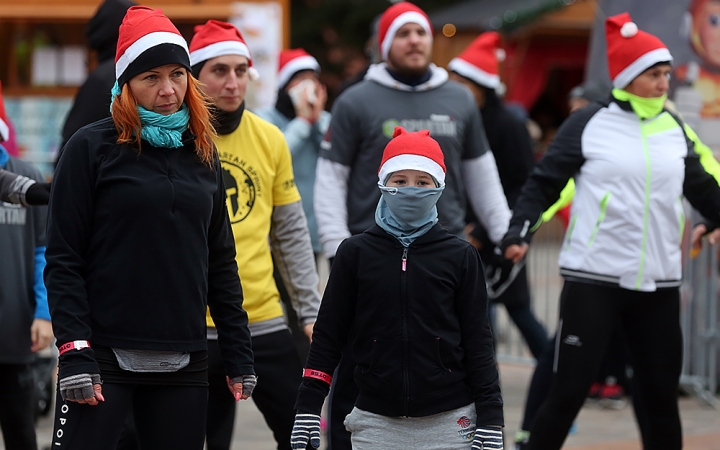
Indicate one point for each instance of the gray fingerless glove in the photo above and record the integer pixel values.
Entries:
(79, 387)
(306, 428)
(488, 438)
(248, 383)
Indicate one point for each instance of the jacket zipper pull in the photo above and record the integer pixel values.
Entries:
(404, 259)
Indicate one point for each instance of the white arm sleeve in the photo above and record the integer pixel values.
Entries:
(486, 195)
(331, 182)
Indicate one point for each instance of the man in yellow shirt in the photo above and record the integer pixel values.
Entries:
(263, 203)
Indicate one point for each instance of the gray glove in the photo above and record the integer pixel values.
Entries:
(488, 438)
(248, 383)
(79, 387)
(306, 428)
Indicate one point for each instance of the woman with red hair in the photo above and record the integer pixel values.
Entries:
(139, 244)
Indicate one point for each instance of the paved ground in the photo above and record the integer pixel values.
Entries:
(596, 428)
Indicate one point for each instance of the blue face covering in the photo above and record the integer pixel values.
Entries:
(160, 131)
(407, 212)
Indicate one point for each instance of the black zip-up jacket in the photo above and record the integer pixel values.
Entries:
(138, 245)
(418, 321)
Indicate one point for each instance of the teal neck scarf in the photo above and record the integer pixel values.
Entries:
(159, 130)
(407, 212)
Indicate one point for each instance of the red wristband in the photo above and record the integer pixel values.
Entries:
(74, 345)
(312, 373)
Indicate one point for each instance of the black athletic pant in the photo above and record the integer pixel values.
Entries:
(542, 380)
(279, 373)
(166, 418)
(588, 315)
(17, 406)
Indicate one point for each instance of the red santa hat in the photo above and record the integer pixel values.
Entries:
(631, 51)
(293, 61)
(4, 126)
(479, 62)
(216, 38)
(412, 151)
(395, 17)
(147, 39)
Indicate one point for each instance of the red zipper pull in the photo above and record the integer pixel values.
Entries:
(404, 259)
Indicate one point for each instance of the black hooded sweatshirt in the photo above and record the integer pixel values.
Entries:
(92, 101)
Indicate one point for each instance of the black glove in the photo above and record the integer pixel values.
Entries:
(306, 428)
(500, 273)
(38, 194)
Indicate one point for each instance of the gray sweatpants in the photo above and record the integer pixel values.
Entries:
(450, 430)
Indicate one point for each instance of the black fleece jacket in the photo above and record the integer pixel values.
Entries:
(417, 320)
(139, 244)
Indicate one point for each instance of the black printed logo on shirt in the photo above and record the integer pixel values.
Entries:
(240, 190)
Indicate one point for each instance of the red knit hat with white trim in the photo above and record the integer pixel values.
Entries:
(293, 61)
(4, 127)
(413, 151)
(216, 38)
(395, 17)
(479, 62)
(147, 39)
(631, 51)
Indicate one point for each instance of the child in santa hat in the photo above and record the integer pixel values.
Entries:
(410, 299)
(139, 245)
(632, 161)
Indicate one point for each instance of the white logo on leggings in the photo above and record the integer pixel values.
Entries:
(571, 339)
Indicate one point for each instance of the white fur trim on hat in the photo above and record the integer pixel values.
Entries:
(474, 73)
(641, 64)
(402, 19)
(408, 161)
(145, 43)
(4, 130)
(294, 66)
(219, 49)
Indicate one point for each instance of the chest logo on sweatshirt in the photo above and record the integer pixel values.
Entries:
(438, 124)
(240, 189)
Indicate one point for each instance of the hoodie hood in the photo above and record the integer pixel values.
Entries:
(102, 30)
(379, 74)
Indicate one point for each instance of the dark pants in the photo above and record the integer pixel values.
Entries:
(279, 373)
(516, 299)
(17, 406)
(166, 418)
(588, 317)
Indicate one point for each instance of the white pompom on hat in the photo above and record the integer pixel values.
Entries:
(631, 51)
(216, 38)
(413, 151)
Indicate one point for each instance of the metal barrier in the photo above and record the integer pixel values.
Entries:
(701, 326)
(700, 316)
(545, 286)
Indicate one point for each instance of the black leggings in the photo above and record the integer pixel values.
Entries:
(588, 315)
(166, 418)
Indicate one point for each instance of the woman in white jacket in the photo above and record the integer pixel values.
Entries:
(632, 162)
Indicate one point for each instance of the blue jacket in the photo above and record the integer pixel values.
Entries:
(304, 142)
